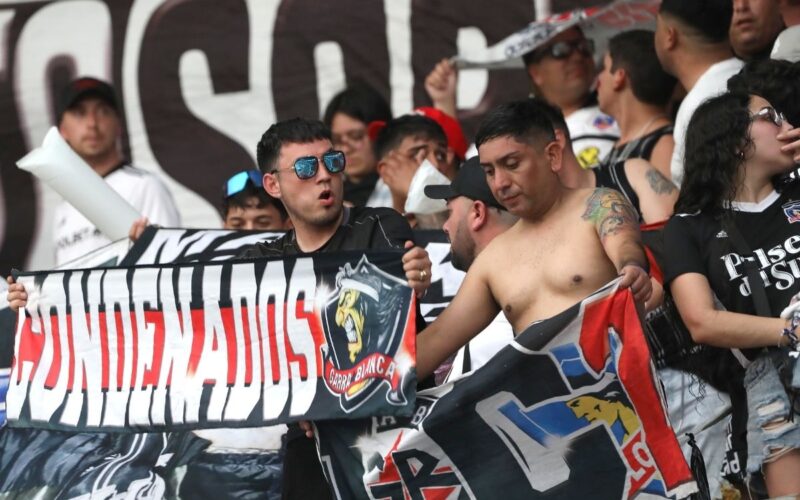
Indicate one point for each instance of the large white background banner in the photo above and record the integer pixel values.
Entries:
(200, 80)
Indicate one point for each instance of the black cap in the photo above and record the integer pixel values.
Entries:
(86, 87)
(470, 182)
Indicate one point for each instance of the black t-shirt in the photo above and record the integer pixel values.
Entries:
(698, 243)
(362, 228)
(359, 193)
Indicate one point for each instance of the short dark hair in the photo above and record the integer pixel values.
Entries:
(359, 101)
(523, 120)
(554, 114)
(398, 129)
(243, 197)
(292, 131)
(635, 52)
(708, 18)
(775, 80)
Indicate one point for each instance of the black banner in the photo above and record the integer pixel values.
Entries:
(234, 344)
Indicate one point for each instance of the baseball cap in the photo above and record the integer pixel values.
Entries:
(450, 126)
(85, 87)
(470, 182)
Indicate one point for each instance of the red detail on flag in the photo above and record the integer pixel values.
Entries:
(619, 311)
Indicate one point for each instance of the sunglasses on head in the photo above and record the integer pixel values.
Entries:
(238, 182)
(564, 49)
(769, 114)
(306, 166)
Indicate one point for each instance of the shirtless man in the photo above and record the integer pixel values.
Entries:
(567, 243)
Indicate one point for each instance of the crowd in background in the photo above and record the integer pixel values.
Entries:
(683, 135)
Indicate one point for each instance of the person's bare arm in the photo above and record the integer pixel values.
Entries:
(695, 302)
(440, 84)
(616, 223)
(657, 194)
(661, 157)
(472, 309)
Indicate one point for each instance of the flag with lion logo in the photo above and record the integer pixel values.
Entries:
(570, 409)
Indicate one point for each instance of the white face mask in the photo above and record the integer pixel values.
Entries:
(417, 202)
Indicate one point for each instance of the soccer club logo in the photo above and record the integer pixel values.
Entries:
(364, 322)
(792, 211)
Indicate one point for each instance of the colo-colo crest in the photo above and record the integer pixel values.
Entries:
(364, 321)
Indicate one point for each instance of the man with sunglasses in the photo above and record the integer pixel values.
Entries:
(245, 205)
(562, 72)
(302, 169)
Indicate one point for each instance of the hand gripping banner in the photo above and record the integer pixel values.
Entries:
(570, 409)
(233, 344)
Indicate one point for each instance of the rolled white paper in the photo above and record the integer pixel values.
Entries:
(58, 166)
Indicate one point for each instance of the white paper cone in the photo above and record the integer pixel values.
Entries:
(58, 166)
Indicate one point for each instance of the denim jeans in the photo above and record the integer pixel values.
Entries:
(768, 403)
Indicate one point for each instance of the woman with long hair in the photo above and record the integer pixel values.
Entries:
(735, 241)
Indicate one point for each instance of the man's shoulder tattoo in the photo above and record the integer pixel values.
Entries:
(609, 212)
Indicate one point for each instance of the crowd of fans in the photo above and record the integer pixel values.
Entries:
(685, 132)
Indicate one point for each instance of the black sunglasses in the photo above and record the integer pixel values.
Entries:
(562, 50)
(306, 167)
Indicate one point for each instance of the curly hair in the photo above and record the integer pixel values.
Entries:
(777, 81)
(717, 143)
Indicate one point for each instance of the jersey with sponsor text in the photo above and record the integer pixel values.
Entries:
(698, 243)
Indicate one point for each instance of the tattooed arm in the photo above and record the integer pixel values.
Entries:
(617, 226)
(657, 194)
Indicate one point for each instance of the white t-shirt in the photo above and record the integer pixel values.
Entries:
(483, 346)
(787, 45)
(711, 84)
(381, 196)
(75, 236)
(593, 135)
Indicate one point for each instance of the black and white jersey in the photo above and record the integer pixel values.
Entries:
(698, 243)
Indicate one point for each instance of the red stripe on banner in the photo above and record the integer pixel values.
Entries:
(409, 334)
(230, 343)
(104, 370)
(30, 349)
(120, 349)
(151, 375)
(71, 356)
(55, 367)
(273, 344)
(199, 335)
(31, 346)
(248, 349)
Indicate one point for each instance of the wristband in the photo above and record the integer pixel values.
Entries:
(789, 333)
